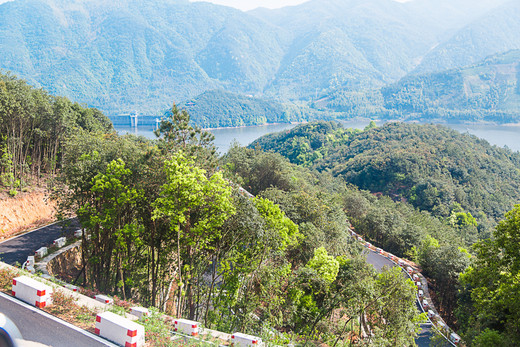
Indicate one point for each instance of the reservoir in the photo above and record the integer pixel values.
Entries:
(499, 135)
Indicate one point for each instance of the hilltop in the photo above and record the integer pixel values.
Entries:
(430, 166)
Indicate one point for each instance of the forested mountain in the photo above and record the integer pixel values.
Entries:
(432, 167)
(143, 55)
(493, 33)
(486, 91)
(218, 108)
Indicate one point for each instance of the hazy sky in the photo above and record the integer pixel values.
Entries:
(246, 5)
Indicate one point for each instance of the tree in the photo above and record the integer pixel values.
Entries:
(494, 284)
(176, 133)
(196, 207)
(109, 216)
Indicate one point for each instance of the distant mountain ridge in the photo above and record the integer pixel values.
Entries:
(143, 55)
(486, 91)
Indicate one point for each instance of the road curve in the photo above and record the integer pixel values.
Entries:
(18, 248)
(379, 261)
(38, 326)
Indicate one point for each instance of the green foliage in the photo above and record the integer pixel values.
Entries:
(33, 129)
(219, 108)
(429, 166)
(325, 265)
(494, 283)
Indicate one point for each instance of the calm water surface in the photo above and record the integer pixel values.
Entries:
(496, 135)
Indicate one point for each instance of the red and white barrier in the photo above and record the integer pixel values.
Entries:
(41, 252)
(32, 291)
(368, 244)
(119, 330)
(78, 233)
(104, 299)
(441, 326)
(239, 339)
(421, 294)
(379, 250)
(140, 312)
(431, 314)
(401, 262)
(455, 338)
(418, 284)
(187, 327)
(416, 277)
(71, 287)
(425, 304)
(409, 270)
(60, 242)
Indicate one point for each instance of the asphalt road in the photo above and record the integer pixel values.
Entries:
(38, 326)
(17, 249)
(379, 261)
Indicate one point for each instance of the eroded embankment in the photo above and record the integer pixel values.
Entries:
(25, 211)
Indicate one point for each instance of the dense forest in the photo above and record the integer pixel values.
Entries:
(487, 91)
(218, 108)
(142, 55)
(169, 228)
(434, 194)
(432, 167)
(33, 128)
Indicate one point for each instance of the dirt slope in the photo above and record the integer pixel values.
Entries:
(25, 211)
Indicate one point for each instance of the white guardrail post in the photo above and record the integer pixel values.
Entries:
(60, 242)
(239, 340)
(31, 291)
(187, 327)
(120, 330)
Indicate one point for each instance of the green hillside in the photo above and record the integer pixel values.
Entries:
(432, 167)
(487, 91)
(493, 33)
(219, 108)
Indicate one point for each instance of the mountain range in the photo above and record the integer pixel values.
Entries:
(141, 56)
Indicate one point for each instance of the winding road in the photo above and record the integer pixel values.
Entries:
(426, 333)
(34, 324)
(17, 249)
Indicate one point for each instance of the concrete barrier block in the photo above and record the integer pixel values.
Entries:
(104, 299)
(32, 291)
(119, 330)
(239, 339)
(454, 338)
(41, 252)
(60, 242)
(140, 312)
(71, 287)
(187, 327)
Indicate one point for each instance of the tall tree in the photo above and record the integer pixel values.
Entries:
(196, 207)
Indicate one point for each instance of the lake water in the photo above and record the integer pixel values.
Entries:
(496, 135)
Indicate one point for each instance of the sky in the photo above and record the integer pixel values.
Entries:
(246, 5)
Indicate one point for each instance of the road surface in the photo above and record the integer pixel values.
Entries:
(38, 326)
(17, 249)
(379, 261)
